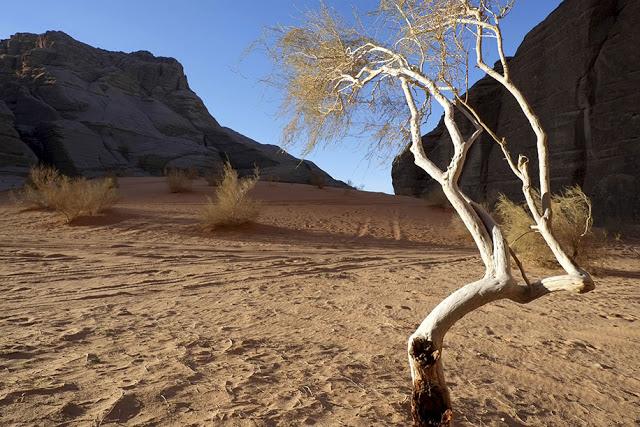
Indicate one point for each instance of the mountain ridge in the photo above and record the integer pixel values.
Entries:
(90, 111)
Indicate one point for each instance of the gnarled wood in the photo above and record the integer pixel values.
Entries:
(430, 401)
(346, 63)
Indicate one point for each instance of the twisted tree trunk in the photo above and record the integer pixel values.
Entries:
(431, 403)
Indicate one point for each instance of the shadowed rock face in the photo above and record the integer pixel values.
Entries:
(88, 111)
(580, 70)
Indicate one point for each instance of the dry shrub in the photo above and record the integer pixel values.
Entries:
(81, 197)
(233, 206)
(73, 197)
(317, 179)
(40, 189)
(113, 180)
(193, 173)
(179, 181)
(572, 226)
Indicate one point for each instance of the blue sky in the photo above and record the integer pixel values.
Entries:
(209, 37)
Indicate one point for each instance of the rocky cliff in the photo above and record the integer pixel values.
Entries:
(90, 111)
(580, 70)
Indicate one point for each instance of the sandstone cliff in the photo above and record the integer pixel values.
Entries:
(89, 111)
(580, 69)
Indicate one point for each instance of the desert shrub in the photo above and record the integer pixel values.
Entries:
(232, 206)
(112, 178)
(317, 179)
(179, 181)
(572, 225)
(73, 197)
(40, 189)
(193, 173)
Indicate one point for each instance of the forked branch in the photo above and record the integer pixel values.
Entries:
(333, 71)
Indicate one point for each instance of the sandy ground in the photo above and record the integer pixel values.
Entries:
(139, 318)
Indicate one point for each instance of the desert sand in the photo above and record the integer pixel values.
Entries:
(137, 317)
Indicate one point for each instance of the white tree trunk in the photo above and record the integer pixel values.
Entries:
(431, 403)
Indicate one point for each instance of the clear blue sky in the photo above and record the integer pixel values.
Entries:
(208, 37)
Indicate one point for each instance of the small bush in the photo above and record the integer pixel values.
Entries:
(81, 197)
(317, 179)
(179, 181)
(233, 206)
(40, 189)
(572, 226)
(113, 180)
(193, 173)
(73, 197)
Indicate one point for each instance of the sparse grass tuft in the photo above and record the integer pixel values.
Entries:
(73, 197)
(179, 181)
(232, 206)
(572, 225)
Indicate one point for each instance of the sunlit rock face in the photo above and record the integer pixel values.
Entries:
(580, 70)
(89, 111)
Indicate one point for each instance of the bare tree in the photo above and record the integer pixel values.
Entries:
(336, 77)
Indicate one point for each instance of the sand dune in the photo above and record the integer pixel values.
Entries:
(137, 317)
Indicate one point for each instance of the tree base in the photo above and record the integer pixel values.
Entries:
(430, 403)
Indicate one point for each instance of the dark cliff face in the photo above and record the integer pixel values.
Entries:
(88, 111)
(580, 70)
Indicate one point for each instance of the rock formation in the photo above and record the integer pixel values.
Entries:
(89, 111)
(580, 70)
